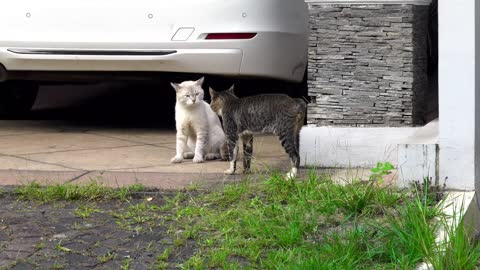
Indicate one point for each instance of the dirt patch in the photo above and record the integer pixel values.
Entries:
(116, 234)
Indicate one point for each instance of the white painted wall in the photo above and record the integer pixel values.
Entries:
(477, 101)
(457, 92)
(348, 147)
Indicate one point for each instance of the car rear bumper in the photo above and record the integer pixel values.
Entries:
(268, 55)
(182, 60)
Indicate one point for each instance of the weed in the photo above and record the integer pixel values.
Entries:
(193, 187)
(143, 213)
(106, 257)
(125, 192)
(85, 211)
(61, 248)
(380, 170)
(40, 246)
(195, 262)
(179, 241)
(58, 266)
(432, 192)
(165, 255)
(126, 264)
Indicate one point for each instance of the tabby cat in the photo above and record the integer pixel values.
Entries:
(273, 113)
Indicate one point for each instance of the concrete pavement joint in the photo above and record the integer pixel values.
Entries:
(46, 163)
(81, 149)
(22, 134)
(126, 140)
(78, 177)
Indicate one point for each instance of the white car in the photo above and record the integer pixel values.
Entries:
(240, 38)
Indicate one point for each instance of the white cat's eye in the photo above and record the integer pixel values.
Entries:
(197, 94)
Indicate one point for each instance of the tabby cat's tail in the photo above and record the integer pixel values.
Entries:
(301, 106)
(301, 112)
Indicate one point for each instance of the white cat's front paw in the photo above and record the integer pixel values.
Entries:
(229, 172)
(198, 159)
(176, 159)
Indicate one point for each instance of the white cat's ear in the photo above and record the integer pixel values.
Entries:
(212, 92)
(230, 90)
(175, 86)
(200, 81)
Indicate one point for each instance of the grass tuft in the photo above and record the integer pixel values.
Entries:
(70, 192)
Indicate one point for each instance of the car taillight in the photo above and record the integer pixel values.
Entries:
(231, 35)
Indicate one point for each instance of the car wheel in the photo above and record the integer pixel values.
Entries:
(17, 97)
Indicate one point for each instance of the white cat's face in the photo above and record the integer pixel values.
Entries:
(189, 93)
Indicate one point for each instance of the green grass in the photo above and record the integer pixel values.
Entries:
(312, 223)
(71, 192)
(309, 224)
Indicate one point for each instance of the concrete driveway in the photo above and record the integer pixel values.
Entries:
(61, 152)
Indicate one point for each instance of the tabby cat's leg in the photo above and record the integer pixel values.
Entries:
(181, 145)
(202, 140)
(232, 145)
(247, 152)
(224, 152)
(289, 142)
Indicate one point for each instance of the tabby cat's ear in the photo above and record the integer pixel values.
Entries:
(230, 90)
(213, 93)
(175, 86)
(200, 81)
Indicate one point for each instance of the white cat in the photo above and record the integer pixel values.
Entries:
(199, 131)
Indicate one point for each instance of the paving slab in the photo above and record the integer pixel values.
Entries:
(16, 127)
(67, 152)
(112, 158)
(147, 136)
(55, 142)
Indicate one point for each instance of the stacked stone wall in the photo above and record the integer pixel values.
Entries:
(367, 64)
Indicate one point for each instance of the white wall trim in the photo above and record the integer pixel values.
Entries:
(456, 79)
(369, 2)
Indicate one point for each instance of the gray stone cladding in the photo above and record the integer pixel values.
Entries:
(367, 64)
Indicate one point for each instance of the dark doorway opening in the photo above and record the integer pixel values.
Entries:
(135, 103)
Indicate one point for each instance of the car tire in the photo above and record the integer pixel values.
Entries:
(17, 97)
